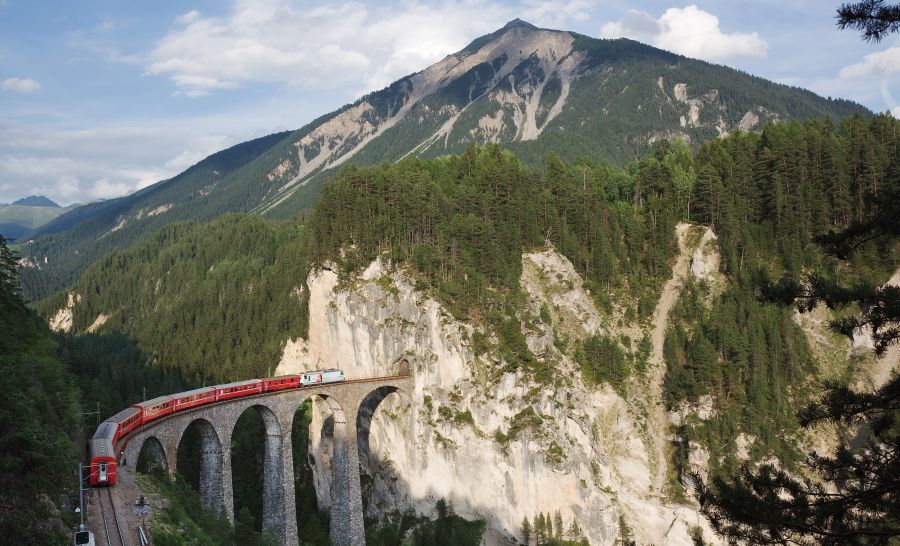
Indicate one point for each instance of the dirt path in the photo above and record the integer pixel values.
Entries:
(657, 371)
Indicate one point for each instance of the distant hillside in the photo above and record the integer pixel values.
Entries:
(192, 282)
(36, 201)
(19, 220)
(65, 247)
(532, 90)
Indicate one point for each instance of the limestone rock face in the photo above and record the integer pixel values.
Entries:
(62, 320)
(584, 454)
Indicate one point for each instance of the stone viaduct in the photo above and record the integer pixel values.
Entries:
(352, 403)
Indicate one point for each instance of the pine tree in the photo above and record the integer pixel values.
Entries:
(526, 531)
(558, 527)
(540, 529)
(853, 498)
(574, 533)
(875, 18)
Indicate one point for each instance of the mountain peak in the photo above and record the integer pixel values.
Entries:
(36, 201)
(518, 23)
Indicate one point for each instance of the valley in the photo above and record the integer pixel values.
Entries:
(636, 294)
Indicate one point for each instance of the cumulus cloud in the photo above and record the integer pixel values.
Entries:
(20, 85)
(689, 31)
(879, 64)
(82, 165)
(185, 159)
(331, 45)
(187, 18)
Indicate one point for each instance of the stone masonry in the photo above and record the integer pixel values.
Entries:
(352, 403)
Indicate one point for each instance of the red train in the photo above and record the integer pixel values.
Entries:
(105, 440)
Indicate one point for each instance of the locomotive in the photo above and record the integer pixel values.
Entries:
(103, 443)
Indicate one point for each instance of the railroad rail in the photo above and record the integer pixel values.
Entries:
(117, 537)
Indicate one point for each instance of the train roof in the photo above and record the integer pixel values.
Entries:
(193, 392)
(239, 383)
(153, 401)
(102, 442)
(322, 371)
(102, 447)
(124, 414)
(106, 430)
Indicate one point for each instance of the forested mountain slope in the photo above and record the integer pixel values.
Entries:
(59, 251)
(47, 381)
(466, 232)
(533, 90)
(214, 301)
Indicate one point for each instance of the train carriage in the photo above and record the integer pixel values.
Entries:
(281, 382)
(321, 376)
(155, 408)
(127, 419)
(239, 389)
(194, 398)
(103, 455)
(103, 443)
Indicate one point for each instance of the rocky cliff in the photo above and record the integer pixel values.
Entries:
(500, 444)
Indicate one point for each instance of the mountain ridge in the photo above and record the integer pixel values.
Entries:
(520, 110)
(36, 201)
(532, 90)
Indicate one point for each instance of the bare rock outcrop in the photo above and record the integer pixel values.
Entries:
(498, 444)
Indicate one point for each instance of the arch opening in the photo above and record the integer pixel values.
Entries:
(258, 475)
(376, 434)
(322, 468)
(200, 463)
(151, 457)
(312, 433)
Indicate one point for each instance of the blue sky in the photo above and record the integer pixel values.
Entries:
(100, 98)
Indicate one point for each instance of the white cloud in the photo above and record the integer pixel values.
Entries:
(81, 165)
(689, 31)
(187, 18)
(185, 159)
(330, 45)
(879, 64)
(20, 85)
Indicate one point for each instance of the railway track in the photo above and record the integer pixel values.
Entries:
(113, 533)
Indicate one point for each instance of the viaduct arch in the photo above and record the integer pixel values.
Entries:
(352, 403)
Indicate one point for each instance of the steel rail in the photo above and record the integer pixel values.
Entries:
(103, 517)
(122, 538)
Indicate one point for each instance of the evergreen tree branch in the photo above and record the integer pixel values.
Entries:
(875, 18)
